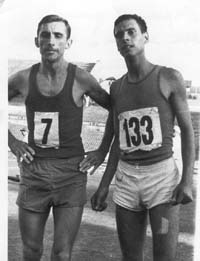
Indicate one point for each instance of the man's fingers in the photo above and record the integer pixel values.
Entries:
(25, 157)
(174, 198)
(31, 151)
(88, 152)
(181, 198)
(86, 164)
(18, 157)
(97, 203)
(101, 206)
(88, 161)
(86, 167)
(93, 202)
(94, 169)
(23, 152)
(187, 199)
(28, 156)
(83, 162)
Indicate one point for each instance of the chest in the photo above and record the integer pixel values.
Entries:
(51, 86)
(136, 97)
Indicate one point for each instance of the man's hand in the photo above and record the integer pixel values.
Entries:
(182, 194)
(93, 159)
(22, 151)
(98, 199)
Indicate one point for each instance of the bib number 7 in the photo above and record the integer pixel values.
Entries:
(48, 123)
(46, 134)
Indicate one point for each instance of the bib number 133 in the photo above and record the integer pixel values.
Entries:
(137, 124)
(140, 129)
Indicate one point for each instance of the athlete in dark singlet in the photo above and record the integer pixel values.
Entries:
(53, 92)
(145, 103)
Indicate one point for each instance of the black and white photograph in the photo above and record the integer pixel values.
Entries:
(97, 98)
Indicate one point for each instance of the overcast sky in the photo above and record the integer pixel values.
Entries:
(173, 27)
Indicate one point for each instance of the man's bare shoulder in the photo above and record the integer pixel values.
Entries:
(20, 77)
(18, 83)
(85, 79)
(172, 76)
(171, 82)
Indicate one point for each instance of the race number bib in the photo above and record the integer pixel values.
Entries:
(46, 131)
(140, 130)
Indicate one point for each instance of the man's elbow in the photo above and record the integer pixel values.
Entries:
(107, 101)
(104, 101)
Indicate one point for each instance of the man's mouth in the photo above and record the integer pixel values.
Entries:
(50, 51)
(126, 47)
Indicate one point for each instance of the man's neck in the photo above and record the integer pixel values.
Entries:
(138, 68)
(53, 68)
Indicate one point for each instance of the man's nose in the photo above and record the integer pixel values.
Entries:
(126, 36)
(52, 39)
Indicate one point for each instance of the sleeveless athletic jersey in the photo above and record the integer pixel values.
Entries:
(54, 122)
(146, 119)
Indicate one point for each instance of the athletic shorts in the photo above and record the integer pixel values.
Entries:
(143, 187)
(46, 183)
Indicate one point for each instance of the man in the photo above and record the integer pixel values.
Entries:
(145, 103)
(53, 92)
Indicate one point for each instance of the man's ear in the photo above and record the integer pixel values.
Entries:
(146, 36)
(36, 42)
(69, 43)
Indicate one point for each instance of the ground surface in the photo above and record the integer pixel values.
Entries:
(97, 238)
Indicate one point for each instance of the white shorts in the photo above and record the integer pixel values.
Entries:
(143, 187)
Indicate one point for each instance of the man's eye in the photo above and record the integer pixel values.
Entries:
(119, 35)
(131, 32)
(45, 34)
(57, 35)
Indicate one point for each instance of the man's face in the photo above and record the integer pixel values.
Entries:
(129, 38)
(52, 40)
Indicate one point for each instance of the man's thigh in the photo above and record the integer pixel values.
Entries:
(131, 227)
(164, 220)
(32, 226)
(67, 222)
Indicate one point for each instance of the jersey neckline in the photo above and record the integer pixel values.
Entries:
(52, 96)
(145, 77)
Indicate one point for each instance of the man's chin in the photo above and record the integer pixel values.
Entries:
(127, 54)
(50, 59)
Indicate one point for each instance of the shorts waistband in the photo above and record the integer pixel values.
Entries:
(141, 164)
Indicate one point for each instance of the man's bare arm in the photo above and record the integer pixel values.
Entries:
(95, 158)
(18, 86)
(20, 149)
(92, 88)
(183, 193)
(99, 197)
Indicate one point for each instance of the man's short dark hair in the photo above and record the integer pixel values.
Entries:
(141, 22)
(54, 18)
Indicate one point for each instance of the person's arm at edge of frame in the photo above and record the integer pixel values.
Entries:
(18, 148)
(95, 158)
(183, 192)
